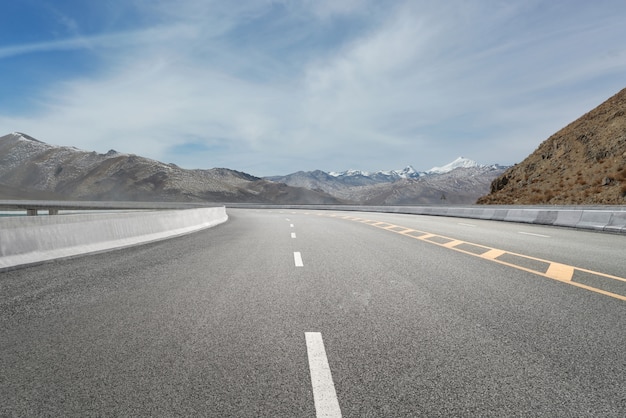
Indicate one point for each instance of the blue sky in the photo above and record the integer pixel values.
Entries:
(273, 87)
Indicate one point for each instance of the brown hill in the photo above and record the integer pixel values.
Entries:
(583, 163)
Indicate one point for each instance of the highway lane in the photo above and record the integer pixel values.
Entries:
(583, 258)
(588, 249)
(214, 323)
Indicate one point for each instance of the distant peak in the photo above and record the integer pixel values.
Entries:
(348, 173)
(460, 162)
(28, 137)
(391, 175)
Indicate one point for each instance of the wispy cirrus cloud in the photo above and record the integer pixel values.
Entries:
(278, 86)
(116, 40)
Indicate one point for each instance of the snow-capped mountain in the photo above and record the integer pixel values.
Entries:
(458, 163)
(391, 175)
(361, 178)
(462, 181)
(409, 172)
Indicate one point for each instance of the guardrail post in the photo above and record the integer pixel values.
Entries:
(31, 212)
(53, 211)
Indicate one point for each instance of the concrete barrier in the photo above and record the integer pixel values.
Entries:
(593, 219)
(527, 216)
(32, 240)
(546, 217)
(568, 218)
(597, 218)
(617, 223)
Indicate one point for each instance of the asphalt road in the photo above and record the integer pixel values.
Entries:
(406, 315)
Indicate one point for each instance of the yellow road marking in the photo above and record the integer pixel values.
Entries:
(556, 271)
(452, 244)
(608, 276)
(559, 271)
(596, 290)
(492, 254)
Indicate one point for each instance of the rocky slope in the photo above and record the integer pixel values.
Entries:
(31, 169)
(583, 163)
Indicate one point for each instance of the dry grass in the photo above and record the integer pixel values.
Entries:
(583, 163)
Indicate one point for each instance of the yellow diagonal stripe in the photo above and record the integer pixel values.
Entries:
(452, 244)
(492, 254)
(559, 271)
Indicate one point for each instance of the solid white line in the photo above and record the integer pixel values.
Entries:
(297, 258)
(324, 395)
(460, 223)
(293, 235)
(534, 235)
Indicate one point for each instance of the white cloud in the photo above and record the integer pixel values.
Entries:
(275, 86)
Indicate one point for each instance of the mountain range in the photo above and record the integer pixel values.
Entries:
(460, 182)
(32, 169)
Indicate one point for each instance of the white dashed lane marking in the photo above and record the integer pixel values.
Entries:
(324, 395)
(534, 235)
(297, 258)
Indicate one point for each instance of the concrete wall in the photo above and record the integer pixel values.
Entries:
(597, 218)
(605, 219)
(31, 240)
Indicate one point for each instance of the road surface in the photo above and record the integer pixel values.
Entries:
(311, 313)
